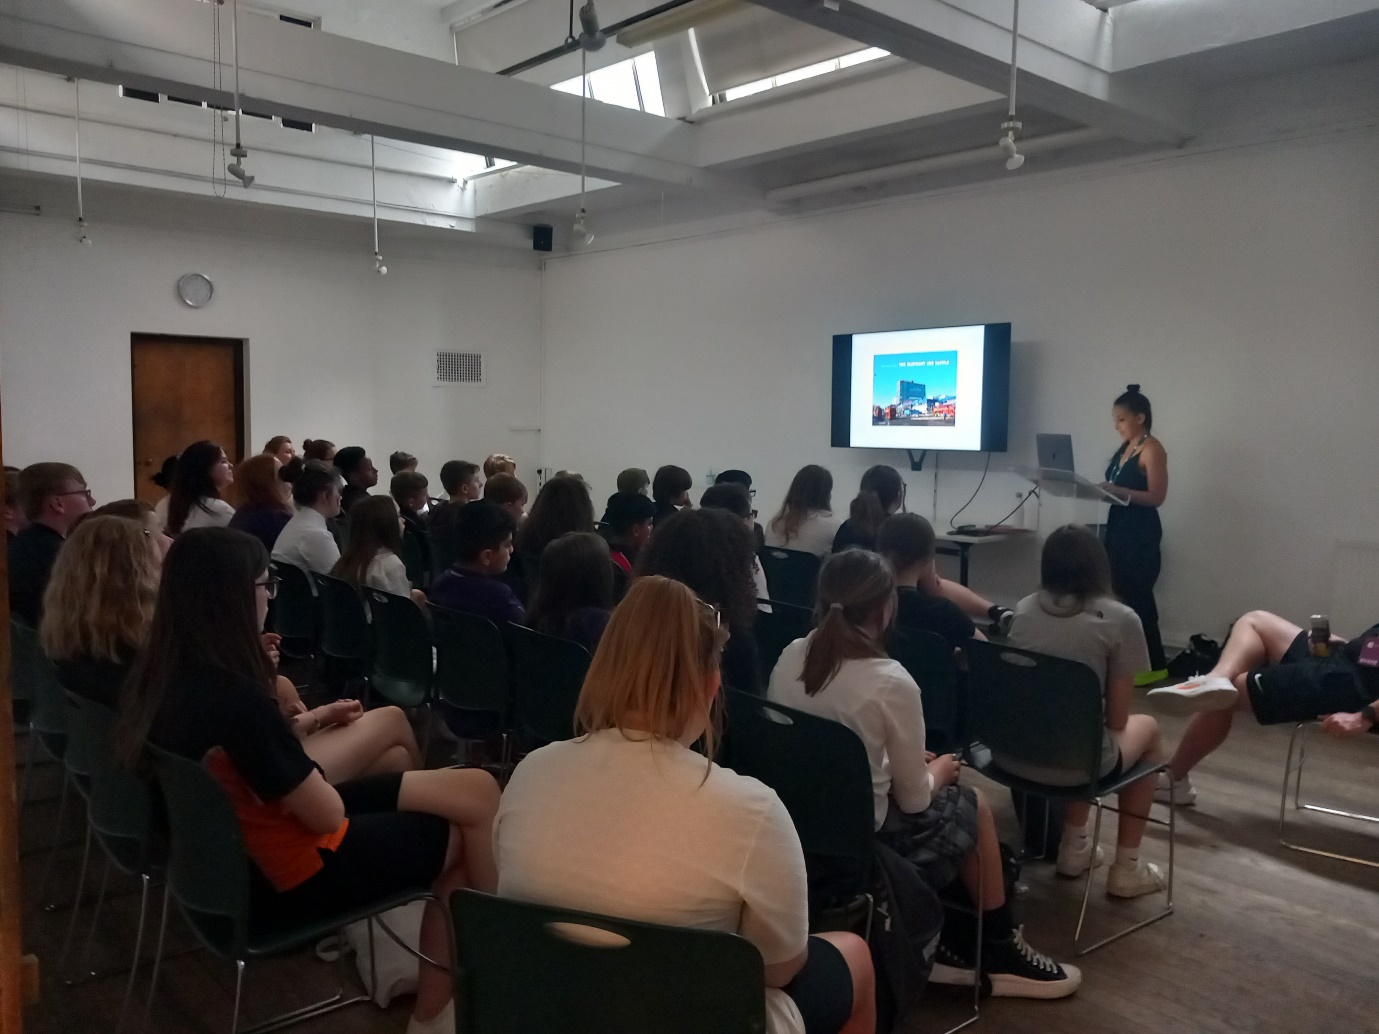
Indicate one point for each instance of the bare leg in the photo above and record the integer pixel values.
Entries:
(981, 870)
(377, 741)
(434, 986)
(858, 957)
(466, 798)
(1138, 741)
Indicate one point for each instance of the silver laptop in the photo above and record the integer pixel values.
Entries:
(1055, 451)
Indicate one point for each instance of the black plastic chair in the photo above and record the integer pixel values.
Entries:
(346, 637)
(776, 629)
(820, 771)
(416, 555)
(208, 877)
(932, 663)
(296, 611)
(404, 660)
(548, 674)
(473, 681)
(524, 968)
(1047, 711)
(792, 576)
(120, 810)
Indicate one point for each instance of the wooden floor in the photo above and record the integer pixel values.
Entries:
(1264, 939)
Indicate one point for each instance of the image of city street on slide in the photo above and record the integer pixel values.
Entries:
(915, 389)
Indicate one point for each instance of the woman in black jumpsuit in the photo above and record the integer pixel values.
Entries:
(1138, 473)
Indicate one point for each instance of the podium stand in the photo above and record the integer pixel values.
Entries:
(1082, 499)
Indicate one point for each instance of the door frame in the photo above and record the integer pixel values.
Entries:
(239, 345)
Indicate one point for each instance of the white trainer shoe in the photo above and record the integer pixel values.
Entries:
(1204, 693)
(1184, 794)
(1133, 881)
(1074, 860)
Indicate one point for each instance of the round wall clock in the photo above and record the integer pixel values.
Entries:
(195, 289)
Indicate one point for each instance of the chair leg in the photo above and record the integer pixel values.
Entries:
(76, 904)
(239, 991)
(157, 957)
(138, 950)
(86, 971)
(49, 906)
(1087, 885)
(1300, 738)
(29, 751)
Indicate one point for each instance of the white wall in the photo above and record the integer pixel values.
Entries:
(1241, 289)
(334, 350)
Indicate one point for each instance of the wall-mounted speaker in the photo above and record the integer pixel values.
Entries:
(542, 238)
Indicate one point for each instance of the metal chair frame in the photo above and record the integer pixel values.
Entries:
(1297, 743)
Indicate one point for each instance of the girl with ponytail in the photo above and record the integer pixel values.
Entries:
(841, 672)
(881, 494)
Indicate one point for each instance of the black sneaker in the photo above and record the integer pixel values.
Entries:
(1017, 970)
(952, 968)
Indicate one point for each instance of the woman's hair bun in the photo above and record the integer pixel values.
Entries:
(1132, 387)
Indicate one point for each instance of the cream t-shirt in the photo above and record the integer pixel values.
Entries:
(815, 534)
(632, 828)
(387, 573)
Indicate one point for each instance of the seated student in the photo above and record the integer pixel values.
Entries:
(202, 474)
(202, 688)
(15, 521)
(573, 597)
(741, 477)
(881, 494)
(135, 510)
(1267, 669)
(410, 491)
(499, 463)
(805, 520)
(629, 820)
(634, 480)
(290, 471)
(670, 491)
(733, 497)
(280, 447)
(462, 485)
(265, 499)
(318, 449)
(509, 493)
(54, 495)
(483, 548)
(401, 461)
(99, 603)
(711, 552)
(627, 526)
(1074, 616)
(305, 540)
(563, 505)
(373, 554)
(359, 473)
(840, 671)
(906, 540)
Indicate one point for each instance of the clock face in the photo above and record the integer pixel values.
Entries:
(195, 289)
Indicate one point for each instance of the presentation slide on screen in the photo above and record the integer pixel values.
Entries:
(918, 389)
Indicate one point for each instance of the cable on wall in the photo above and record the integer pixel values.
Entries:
(82, 237)
(378, 265)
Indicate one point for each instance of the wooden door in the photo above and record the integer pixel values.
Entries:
(185, 389)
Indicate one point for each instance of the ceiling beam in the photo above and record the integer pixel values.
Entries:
(285, 70)
(1064, 54)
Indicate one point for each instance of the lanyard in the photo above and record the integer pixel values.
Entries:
(1124, 457)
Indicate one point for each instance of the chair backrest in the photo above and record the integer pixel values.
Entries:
(1036, 709)
(30, 665)
(344, 622)
(548, 674)
(820, 771)
(119, 802)
(296, 610)
(792, 576)
(777, 629)
(208, 866)
(416, 555)
(402, 662)
(472, 672)
(525, 967)
(931, 663)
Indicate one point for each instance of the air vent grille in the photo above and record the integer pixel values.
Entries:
(459, 368)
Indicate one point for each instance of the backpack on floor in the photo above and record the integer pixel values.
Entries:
(907, 918)
(1200, 657)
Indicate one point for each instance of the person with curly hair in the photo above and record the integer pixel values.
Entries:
(711, 552)
(562, 506)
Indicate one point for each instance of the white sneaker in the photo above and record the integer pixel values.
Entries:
(1184, 794)
(442, 1023)
(1205, 693)
(1133, 881)
(1075, 859)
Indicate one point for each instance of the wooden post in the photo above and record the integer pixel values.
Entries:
(12, 965)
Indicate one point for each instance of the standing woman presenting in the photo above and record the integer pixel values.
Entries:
(1138, 473)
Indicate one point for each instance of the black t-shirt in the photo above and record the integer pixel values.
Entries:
(919, 612)
(849, 534)
(95, 679)
(208, 707)
(440, 528)
(32, 552)
(741, 664)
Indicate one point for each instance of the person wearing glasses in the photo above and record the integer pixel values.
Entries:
(881, 494)
(734, 497)
(741, 477)
(53, 495)
(629, 820)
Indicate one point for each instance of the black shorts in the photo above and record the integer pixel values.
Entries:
(1300, 688)
(822, 990)
(384, 852)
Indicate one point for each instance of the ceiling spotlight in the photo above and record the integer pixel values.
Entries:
(235, 169)
(378, 265)
(1014, 159)
(581, 228)
(591, 37)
